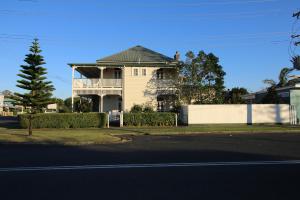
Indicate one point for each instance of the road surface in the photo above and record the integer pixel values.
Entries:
(219, 166)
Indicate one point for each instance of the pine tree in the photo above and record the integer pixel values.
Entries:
(39, 90)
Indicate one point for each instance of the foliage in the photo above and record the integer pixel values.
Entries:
(7, 93)
(234, 96)
(81, 104)
(201, 79)
(148, 109)
(271, 96)
(60, 104)
(282, 78)
(64, 120)
(34, 81)
(149, 119)
(136, 108)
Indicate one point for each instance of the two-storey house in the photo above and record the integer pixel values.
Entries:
(135, 76)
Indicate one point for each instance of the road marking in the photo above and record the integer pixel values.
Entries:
(154, 165)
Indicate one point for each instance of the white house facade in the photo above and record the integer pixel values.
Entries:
(135, 76)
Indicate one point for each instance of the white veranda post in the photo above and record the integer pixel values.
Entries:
(73, 73)
(101, 103)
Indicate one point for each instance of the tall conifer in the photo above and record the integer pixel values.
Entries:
(34, 82)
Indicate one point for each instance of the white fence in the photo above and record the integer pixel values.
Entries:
(238, 113)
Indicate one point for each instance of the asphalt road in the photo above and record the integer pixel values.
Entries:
(232, 181)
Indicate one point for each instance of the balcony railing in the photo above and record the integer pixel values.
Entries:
(96, 83)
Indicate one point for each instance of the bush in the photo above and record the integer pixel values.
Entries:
(148, 109)
(149, 119)
(64, 120)
(136, 109)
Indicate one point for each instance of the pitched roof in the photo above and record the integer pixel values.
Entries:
(137, 54)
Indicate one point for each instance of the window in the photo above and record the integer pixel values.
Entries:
(144, 72)
(135, 72)
(159, 74)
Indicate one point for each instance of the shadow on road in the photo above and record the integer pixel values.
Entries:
(50, 155)
(9, 122)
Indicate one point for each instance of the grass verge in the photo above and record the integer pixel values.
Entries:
(59, 136)
(218, 128)
(114, 135)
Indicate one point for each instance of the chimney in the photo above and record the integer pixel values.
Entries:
(177, 56)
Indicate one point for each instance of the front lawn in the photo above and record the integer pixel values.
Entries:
(114, 135)
(217, 128)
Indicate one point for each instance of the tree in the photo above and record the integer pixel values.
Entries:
(84, 105)
(283, 76)
(7, 93)
(201, 79)
(271, 96)
(136, 108)
(81, 104)
(39, 90)
(234, 96)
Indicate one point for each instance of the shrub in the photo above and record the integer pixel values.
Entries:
(148, 109)
(64, 120)
(149, 119)
(136, 109)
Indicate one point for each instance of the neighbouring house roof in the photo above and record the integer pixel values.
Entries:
(264, 91)
(135, 56)
(7, 102)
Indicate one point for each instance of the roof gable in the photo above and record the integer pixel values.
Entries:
(137, 54)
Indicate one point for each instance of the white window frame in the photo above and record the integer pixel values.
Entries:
(144, 72)
(137, 72)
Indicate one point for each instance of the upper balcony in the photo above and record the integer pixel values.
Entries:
(96, 83)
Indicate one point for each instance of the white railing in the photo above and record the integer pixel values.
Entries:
(293, 115)
(79, 91)
(96, 83)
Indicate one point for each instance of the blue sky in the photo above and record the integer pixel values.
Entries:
(251, 37)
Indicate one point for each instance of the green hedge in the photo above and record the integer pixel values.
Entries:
(149, 119)
(65, 120)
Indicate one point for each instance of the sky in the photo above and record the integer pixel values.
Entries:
(250, 37)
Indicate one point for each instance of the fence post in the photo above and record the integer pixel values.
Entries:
(121, 119)
(176, 119)
(293, 115)
(108, 119)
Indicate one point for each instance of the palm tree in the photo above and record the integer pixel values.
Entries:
(282, 78)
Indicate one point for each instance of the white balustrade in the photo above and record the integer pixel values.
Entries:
(96, 83)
